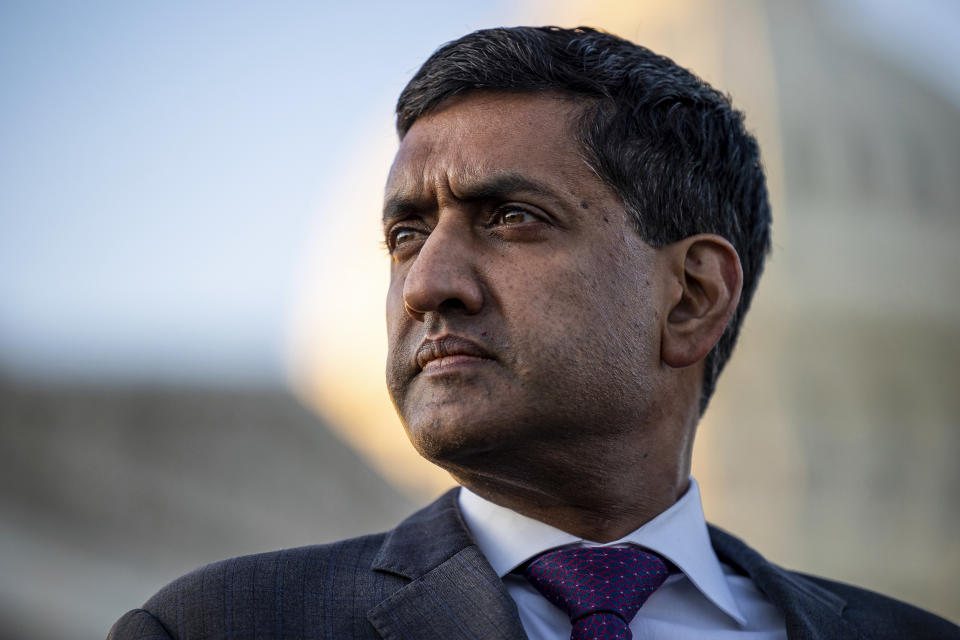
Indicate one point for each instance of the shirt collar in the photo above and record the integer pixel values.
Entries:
(679, 534)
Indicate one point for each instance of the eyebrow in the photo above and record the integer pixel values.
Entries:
(498, 185)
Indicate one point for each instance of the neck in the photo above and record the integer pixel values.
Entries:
(591, 522)
(600, 500)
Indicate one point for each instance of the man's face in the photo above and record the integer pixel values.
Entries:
(520, 304)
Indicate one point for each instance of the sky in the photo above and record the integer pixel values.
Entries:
(167, 168)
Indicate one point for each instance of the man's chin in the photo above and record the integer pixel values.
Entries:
(453, 441)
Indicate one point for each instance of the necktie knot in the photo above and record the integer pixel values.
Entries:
(600, 588)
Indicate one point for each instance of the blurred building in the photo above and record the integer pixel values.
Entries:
(832, 440)
(107, 493)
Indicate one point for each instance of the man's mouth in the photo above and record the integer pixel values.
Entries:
(448, 351)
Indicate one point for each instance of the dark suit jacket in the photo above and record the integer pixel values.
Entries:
(427, 579)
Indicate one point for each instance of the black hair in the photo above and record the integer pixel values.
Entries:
(669, 145)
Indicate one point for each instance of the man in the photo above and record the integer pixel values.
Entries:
(576, 227)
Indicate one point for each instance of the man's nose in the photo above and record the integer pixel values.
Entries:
(443, 276)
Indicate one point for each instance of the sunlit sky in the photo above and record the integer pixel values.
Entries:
(168, 168)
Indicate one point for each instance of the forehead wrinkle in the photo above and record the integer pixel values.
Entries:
(426, 188)
(457, 179)
(404, 193)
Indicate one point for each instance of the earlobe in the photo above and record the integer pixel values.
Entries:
(709, 278)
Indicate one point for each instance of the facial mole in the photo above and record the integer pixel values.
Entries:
(606, 219)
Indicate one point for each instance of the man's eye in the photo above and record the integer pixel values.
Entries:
(401, 236)
(515, 216)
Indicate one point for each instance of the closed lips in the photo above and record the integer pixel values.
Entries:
(447, 347)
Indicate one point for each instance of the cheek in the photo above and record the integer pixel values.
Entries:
(395, 311)
(397, 323)
(550, 311)
(595, 312)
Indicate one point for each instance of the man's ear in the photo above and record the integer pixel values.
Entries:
(705, 290)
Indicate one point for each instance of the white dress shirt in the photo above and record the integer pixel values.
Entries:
(706, 599)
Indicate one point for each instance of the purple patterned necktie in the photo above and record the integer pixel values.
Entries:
(600, 588)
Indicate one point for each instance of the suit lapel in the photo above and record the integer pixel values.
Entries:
(461, 598)
(453, 593)
(811, 612)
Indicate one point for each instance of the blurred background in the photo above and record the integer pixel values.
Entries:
(191, 286)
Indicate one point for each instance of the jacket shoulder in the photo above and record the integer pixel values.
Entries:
(820, 608)
(285, 593)
(880, 616)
